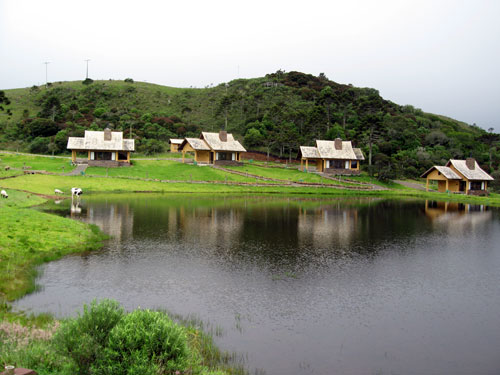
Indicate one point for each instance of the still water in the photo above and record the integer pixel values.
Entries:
(301, 286)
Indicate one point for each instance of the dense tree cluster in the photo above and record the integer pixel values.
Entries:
(275, 114)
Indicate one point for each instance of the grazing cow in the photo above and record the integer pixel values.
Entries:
(7, 167)
(4, 194)
(57, 191)
(76, 192)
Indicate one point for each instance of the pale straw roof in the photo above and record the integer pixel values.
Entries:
(471, 174)
(196, 143)
(213, 140)
(175, 141)
(358, 153)
(94, 140)
(445, 171)
(327, 150)
(309, 152)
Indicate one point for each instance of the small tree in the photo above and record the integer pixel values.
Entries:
(3, 100)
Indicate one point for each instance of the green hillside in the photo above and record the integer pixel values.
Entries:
(276, 113)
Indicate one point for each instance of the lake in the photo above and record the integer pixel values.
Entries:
(300, 285)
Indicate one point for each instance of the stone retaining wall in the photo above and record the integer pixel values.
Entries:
(343, 172)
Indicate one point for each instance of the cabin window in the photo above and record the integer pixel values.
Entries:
(122, 156)
(337, 164)
(100, 155)
(354, 164)
(476, 185)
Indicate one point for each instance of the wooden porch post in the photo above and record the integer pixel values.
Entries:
(89, 155)
(447, 185)
(128, 157)
(183, 155)
(73, 156)
(307, 164)
(427, 184)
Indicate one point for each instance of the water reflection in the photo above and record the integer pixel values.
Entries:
(354, 286)
(457, 217)
(325, 225)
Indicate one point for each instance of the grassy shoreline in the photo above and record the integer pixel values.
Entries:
(33, 237)
(45, 184)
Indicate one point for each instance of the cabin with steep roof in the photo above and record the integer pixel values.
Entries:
(101, 148)
(213, 148)
(334, 157)
(459, 176)
(174, 144)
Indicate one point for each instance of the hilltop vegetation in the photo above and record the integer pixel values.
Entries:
(276, 113)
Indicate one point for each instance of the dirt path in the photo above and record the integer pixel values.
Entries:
(78, 170)
(412, 185)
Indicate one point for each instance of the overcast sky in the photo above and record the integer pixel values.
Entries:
(441, 56)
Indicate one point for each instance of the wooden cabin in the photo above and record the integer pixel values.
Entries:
(101, 148)
(213, 148)
(459, 176)
(334, 157)
(174, 144)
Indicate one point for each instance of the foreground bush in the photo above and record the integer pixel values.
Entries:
(145, 342)
(83, 339)
(104, 340)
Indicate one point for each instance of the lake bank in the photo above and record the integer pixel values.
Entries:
(33, 237)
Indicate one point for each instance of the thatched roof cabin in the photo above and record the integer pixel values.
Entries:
(335, 157)
(106, 148)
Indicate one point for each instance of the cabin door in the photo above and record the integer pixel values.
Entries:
(461, 186)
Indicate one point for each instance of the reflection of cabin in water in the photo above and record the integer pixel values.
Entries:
(213, 148)
(457, 217)
(101, 148)
(434, 209)
(335, 157)
(327, 225)
(459, 176)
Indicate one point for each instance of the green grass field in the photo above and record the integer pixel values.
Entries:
(36, 162)
(170, 170)
(30, 237)
(287, 174)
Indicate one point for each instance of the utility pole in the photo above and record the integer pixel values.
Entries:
(87, 75)
(46, 80)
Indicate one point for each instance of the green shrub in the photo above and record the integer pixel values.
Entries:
(39, 145)
(84, 338)
(144, 342)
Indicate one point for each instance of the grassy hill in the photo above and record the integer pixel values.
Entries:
(276, 113)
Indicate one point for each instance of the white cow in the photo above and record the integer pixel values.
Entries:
(4, 194)
(57, 191)
(76, 192)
